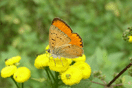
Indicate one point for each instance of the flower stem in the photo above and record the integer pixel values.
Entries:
(15, 82)
(51, 74)
(48, 74)
(98, 83)
(19, 85)
(46, 69)
(56, 81)
(22, 85)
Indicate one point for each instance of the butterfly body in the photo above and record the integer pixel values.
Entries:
(62, 42)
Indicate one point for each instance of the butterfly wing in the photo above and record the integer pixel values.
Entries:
(63, 42)
(70, 51)
(75, 38)
(57, 38)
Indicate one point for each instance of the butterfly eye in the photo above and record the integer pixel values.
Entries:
(48, 50)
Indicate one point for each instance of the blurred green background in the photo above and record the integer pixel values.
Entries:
(24, 27)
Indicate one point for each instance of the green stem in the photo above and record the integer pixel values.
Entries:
(51, 74)
(22, 85)
(19, 85)
(48, 74)
(56, 81)
(15, 82)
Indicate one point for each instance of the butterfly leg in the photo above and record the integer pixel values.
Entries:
(61, 61)
(54, 61)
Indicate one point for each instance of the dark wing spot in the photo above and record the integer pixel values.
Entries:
(81, 45)
(52, 33)
(53, 39)
(52, 43)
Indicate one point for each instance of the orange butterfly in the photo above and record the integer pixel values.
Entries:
(63, 42)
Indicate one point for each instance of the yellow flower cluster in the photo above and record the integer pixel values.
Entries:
(13, 60)
(69, 73)
(20, 74)
(71, 76)
(8, 71)
(59, 65)
(41, 61)
(76, 72)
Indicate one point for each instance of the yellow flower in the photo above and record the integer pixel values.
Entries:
(41, 61)
(8, 71)
(71, 76)
(69, 60)
(47, 47)
(59, 65)
(82, 58)
(85, 69)
(22, 74)
(13, 60)
(130, 38)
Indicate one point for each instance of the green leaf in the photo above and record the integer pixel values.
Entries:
(83, 83)
(127, 81)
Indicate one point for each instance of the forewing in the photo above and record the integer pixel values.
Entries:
(57, 37)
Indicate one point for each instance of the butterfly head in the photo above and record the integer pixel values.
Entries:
(54, 53)
(48, 50)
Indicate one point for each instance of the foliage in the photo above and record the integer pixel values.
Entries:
(24, 26)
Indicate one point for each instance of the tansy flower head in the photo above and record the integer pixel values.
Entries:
(59, 65)
(130, 38)
(82, 58)
(85, 69)
(47, 47)
(71, 76)
(41, 61)
(22, 74)
(13, 60)
(8, 71)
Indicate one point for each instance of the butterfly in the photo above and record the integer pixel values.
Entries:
(63, 42)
